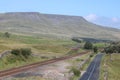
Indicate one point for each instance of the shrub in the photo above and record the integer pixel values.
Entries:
(91, 55)
(15, 52)
(23, 52)
(26, 52)
(75, 71)
(7, 35)
(88, 45)
(95, 49)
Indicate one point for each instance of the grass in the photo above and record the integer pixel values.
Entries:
(112, 67)
(43, 45)
(100, 45)
(74, 78)
(50, 48)
(11, 61)
(78, 60)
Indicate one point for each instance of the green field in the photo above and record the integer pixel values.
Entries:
(111, 67)
(38, 44)
(100, 44)
(45, 48)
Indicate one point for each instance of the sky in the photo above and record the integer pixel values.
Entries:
(90, 9)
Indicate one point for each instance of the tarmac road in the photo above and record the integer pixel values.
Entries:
(92, 72)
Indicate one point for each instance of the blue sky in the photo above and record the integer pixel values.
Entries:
(108, 8)
(92, 10)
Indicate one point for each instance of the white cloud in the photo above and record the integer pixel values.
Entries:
(91, 17)
(105, 21)
(114, 19)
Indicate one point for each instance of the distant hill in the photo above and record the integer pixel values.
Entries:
(33, 23)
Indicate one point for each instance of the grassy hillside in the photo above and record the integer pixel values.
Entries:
(42, 48)
(33, 23)
(38, 45)
(111, 67)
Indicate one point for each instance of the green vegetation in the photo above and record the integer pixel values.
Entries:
(42, 48)
(95, 49)
(11, 61)
(100, 44)
(37, 44)
(76, 66)
(112, 48)
(88, 45)
(22, 53)
(76, 71)
(6, 34)
(110, 68)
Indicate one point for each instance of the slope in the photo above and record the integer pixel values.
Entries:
(34, 23)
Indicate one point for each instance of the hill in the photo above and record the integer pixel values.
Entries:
(34, 23)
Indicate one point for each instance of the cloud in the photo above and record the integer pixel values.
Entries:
(104, 21)
(114, 19)
(91, 17)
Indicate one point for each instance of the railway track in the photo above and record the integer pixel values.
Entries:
(13, 71)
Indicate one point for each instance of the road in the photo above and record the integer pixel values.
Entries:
(92, 72)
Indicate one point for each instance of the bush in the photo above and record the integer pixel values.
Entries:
(88, 45)
(26, 52)
(95, 49)
(23, 52)
(112, 48)
(75, 71)
(7, 35)
(15, 52)
(91, 55)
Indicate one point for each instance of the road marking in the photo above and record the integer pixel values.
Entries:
(92, 72)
